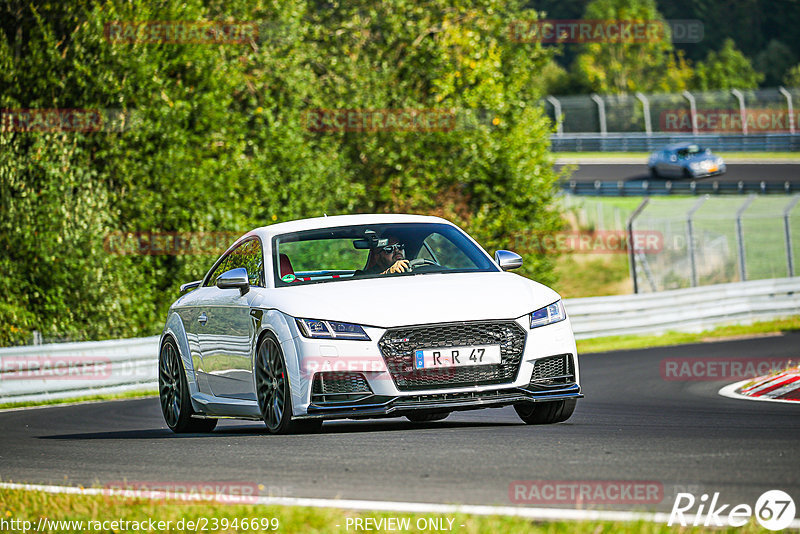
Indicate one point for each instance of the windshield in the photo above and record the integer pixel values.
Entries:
(689, 151)
(370, 251)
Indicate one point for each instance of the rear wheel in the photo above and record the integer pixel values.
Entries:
(426, 417)
(545, 413)
(173, 392)
(273, 392)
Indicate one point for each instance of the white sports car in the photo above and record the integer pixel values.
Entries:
(363, 316)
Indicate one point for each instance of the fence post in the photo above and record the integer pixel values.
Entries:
(692, 110)
(631, 250)
(690, 243)
(742, 109)
(789, 106)
(557, 110)
(601, 111)
(788, 234)
(648, 125)
(740, 237)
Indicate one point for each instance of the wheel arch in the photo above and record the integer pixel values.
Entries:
(175, 330)
(277, 323)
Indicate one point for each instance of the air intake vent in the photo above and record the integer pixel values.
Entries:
(336, 387)
(553, 371)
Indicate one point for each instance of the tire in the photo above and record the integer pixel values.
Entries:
(545, 413)
(427, 417)
(653, 173)
(273, 391)
(687, 173)
(173, 392)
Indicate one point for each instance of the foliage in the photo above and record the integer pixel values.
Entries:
(631, 65)
(216, 140)
(774, 62)
(792, 77)
(726, 69)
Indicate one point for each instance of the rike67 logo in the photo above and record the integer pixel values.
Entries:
(774, 510)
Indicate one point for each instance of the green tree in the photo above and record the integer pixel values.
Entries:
(649, 65)
(792, 77)
(774, 62)
(726, 69)
(217, 140)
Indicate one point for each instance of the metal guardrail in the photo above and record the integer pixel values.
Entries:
(642, 142)
(622, 188)
(65, 370)
(36, 373)
(693, 309)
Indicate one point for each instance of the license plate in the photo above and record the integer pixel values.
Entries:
(457, 356)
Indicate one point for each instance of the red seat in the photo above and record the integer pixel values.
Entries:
(285, 266)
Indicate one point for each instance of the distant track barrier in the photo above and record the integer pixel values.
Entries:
(622, 188)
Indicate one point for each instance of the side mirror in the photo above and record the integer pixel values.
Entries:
(234, 279)
(508, 260)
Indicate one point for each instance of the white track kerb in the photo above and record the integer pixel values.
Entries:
(730, 391)
(538, 514)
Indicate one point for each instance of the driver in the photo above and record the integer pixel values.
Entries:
(389, 259)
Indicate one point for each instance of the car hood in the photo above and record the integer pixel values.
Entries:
(408, 300)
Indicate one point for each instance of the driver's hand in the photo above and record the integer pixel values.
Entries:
(400, 266)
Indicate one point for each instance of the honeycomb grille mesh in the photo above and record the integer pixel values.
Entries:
(553, 370)
(398, 345)
(333, 383)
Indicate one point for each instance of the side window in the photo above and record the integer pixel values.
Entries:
(249, 256)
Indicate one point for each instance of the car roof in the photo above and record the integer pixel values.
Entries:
(678, 146)
(267, 232)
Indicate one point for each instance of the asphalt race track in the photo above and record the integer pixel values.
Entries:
(632, 426)
(778, 173)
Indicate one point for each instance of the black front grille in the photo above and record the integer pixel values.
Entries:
(339, 387)
(398, 345)
(553, 371)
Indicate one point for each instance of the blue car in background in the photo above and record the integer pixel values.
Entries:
(685, 160)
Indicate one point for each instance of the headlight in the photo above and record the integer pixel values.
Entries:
(315, 328)
(548, 315)
(697, 165)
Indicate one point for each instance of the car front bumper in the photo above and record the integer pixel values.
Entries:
(382, 397)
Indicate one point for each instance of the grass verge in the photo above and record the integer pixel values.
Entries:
(100, 397)
(30, 506)
(605, 344)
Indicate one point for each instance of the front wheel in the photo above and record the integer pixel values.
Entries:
(273, 392)
(173, 392)
(545, 413)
